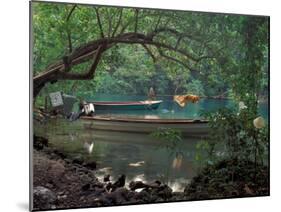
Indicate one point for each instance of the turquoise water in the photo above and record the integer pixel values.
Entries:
(169, 109)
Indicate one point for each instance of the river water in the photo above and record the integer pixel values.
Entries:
(138, 156)
(169, 109)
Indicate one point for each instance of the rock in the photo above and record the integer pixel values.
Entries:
(119, 196)
(102, 201)
(86, 187)
(61, 193)
(119, 183)
(68, 161)
(99, 191)
(131, 195)
(49, 185)
(177, 196)
(39, 142)
(78, 159)
(136, 185)
(139, 184)
(157, 182)
(56, 171)
(106, 178)
(98, 184)
(59, 153)
(143, 195)
(62, 197)
(124, 192)
(90, 165)
(44, 198)
(165, 192)
(159, 199)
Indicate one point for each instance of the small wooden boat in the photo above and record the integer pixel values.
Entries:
(138, 105)
(188, 127)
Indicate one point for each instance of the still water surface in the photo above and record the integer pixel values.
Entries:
(138, 156)
(169, 109)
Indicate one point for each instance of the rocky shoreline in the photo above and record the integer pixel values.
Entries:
(60, 182)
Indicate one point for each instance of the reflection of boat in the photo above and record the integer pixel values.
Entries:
(138, 105)
(188, 127)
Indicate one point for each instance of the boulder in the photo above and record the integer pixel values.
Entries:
(78, 159)
(90, 165)
(44, 198)
(165, 192)
(39, 142)
(106, 178)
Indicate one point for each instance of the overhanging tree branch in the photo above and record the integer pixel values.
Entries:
(61, 69)
(88, 74)
(71, 11)
(99, 22)
(118, 22)
(136, 19)
(174, 59)
(68, 31)
(109, 18)
(149, 52)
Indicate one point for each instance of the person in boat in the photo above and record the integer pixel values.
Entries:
(85, 109)
(151, 94)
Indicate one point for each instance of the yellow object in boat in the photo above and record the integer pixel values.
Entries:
(183, 100)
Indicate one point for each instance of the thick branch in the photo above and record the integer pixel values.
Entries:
(173, 59)
(99, 22)
(157, 23)
(118, 23)
(178, 42)
(158, 44)
(85, 52)
(109, 18)
(68, 29)
(69, 40)
(136, 17)
(70, 13)
(149, 52)
(59, 70)
(90, 73)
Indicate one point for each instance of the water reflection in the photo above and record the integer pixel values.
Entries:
(89, 147)
(177, 162)
(138, 156)
(137, 164)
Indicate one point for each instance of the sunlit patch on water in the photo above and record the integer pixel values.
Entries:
(139, 177)
(179, 185)
(137, 164)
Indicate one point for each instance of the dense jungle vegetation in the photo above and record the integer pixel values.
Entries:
(128, 50)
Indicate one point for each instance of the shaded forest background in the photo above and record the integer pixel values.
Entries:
(215, 55)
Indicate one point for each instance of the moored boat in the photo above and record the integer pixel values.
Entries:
(188, 127)
(136, 105)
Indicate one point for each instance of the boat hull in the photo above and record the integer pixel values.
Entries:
(189, 128)
(141, 105)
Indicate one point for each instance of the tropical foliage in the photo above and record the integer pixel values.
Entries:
(174, 52)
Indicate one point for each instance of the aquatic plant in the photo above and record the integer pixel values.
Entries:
(171, 138)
